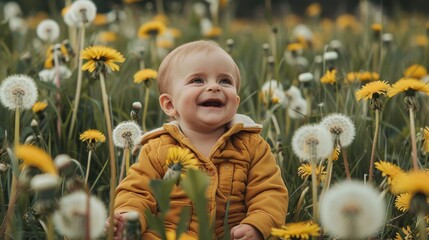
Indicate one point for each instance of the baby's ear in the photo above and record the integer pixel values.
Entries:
(166, 103)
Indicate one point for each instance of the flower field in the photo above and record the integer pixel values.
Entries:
(343, 100)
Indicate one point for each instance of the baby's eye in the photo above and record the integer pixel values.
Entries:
(226, 81)
(197, 80)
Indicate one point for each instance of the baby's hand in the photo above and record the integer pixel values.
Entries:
(119, 223)
(245, 231)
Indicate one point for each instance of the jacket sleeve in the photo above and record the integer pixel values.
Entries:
(134, 193)
(266, 195)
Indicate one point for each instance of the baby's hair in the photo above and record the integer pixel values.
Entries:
(164, 71)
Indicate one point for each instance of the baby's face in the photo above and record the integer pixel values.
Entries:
(204, 90)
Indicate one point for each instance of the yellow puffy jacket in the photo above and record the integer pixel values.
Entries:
(241, 168)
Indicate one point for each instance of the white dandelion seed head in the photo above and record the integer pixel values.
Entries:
(298, 108)
(199, 9)
(302, 61)
(302, 30)
(387, 37)
(305, 77)
(116, 15)
(312, 142)
(131, 216)
(18, 24)
(70, 218)
(18, 91)
(45, 181)
(48, 75)
(3, 167)
(352, 210)
(62, 160)
(293, 93)
(34, 123)
(126, 134)
(335, 44)
(48, 30)
(83, 11)
(330, 55)
(341, 127)
(137, 105)
(69, 20)
(11, 10)
(206, 25)
(318, 59)
(273, 90)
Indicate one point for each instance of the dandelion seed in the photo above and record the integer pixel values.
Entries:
(126, 134)
(145, 75)
(298, 230)
(18, 91)
(352, 210)
(83, 11)
(312, 142)
(36, 157)
(70, 218)
(45, 185)
(272, 92)
(48, 30)
(341, 127)
(100, 57)
(297, 108)
(179, 161)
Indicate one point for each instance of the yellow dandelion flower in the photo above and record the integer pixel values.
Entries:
(346, 21)
(411, 182)
(372, 90)
(180, 160)
(330, 77)
(421, 40)
(335, 154)
(175, 32)
(166, 44)
(352, 76)
(402, 202)
(49, 62)
(100, 19)
(145, 75)
(107, 36)
(171, 235)
(369, 76)
(376, 27)
(64, 11)
(36, 157)
(389, 170)
(303, 230)
(408, 85)
(415, 71)
(304, 171)
(426, 140)
(160, 18)
(91, 136)
(39, 106)
(405, 234)
(313, 10)
(151, 29)
(294, 47)
(214, 32)
(97, 55)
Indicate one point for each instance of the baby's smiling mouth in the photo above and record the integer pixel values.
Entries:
(211, 103)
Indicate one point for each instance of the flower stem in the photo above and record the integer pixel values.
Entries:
(146, 104)
(79, 81)
(413, 140)
(327, 182)
(299, 204)
(314, 189)
(421, 225)
(50, 228)
(374, 144)
(111, 153)
(87, 167)
(346, 164)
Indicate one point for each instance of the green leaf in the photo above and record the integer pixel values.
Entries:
(156, 223)
(183, 220)
(162, 190)
(226, 230)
